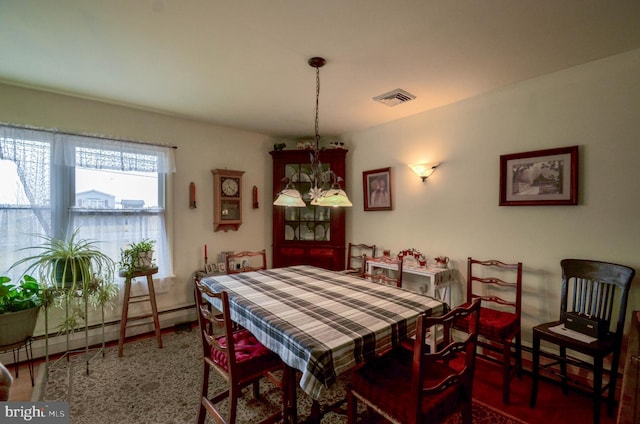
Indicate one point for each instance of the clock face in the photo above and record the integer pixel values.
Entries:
(230, 186)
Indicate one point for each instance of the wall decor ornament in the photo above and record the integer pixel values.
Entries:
(192, 195)
(540, 177)
(377, 190)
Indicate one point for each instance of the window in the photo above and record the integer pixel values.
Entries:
(52, 183)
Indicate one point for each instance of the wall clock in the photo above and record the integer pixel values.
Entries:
(227, 199)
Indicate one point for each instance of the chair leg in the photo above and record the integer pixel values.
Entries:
(506, 371)
(204, 392)
(234, 393)
(467, 413)
(597, 388)
(613, 379)
(256, 389)
(352, 408)
(535, 365)
(563, 370)
(519, 355)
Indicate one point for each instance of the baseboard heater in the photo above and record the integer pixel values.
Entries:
(117, 322)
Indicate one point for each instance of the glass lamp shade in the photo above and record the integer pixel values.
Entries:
(290, 197)
(423, 170)
(333, 197)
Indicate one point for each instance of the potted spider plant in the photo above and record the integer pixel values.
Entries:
(74, 271)
(19, 307)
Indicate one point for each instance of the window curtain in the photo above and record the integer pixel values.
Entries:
(92, 153)
(21, 224)
(45, 160)
(98, 153)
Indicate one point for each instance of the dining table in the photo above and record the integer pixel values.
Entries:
(321, 323)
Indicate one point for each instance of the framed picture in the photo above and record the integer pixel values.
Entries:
(377, 189)
(221, 267)
(541, 177)
(210, 268)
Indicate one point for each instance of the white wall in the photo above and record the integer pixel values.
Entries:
(456, 213)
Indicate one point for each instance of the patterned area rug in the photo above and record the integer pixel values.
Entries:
(151, 385)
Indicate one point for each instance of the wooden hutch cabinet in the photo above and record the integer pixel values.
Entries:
(312, 235)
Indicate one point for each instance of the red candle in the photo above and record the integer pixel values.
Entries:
(192, 195)
(205, 250)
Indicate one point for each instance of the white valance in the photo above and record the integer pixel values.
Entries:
(88, 151)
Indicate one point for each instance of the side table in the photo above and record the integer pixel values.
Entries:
(128, 299)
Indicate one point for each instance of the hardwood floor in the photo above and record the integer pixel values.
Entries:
(552, 406)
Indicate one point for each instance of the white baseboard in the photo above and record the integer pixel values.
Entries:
(58, 344)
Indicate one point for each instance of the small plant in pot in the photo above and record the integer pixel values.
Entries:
(74, 271)
(135, 257)
(19, 307)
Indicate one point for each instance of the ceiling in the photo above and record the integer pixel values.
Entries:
(243, 63)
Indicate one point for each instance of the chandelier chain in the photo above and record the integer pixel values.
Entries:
(317, 122)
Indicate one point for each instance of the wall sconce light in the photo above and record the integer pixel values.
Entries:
(424, 170)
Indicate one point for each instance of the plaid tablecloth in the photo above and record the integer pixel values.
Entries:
(322, 322)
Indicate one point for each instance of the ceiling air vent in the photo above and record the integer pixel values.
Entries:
(394, 97)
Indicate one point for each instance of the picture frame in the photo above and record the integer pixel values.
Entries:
(376, 185)
(210, 268)
(221, 268)
(540, 177)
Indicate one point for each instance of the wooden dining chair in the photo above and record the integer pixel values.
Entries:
(355, 256)
(499, 286)
(245, 261)
(418, 386)
(594, 289)
(391, 276)
(241, 362)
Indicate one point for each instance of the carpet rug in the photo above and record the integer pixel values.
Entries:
(152, 385)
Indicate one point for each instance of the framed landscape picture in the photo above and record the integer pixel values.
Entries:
(377, 189)
(541, 177)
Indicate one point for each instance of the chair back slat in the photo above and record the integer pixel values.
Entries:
(594, 288)
(246, 260)
(356, 254)
(494, 289)
(215, 326)
(393, 280)
(592, 298)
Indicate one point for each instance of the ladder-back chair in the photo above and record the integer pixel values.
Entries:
(241, 362)
(419, 386)
(499, 286)
(355, 257)
(390, 274)
(245, 261)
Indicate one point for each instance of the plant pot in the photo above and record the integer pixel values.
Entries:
(144, 259)
(72, 276)
(16, 327)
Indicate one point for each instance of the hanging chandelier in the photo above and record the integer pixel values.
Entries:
(334, 195)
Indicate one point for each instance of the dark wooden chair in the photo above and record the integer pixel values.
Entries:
(499, 286)
(391, 275)
(248, 261)
(595, 289)
(416, 386)
(355, 257)
(242, 362)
